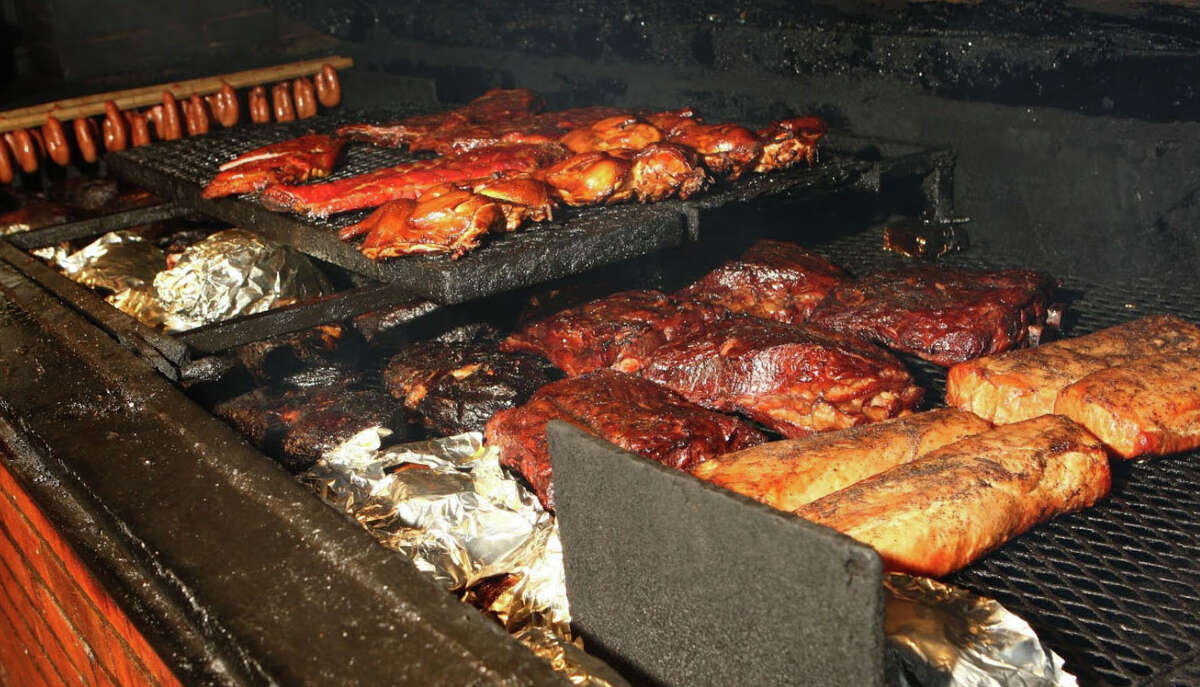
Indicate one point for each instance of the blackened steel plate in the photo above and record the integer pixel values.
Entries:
(576, 241)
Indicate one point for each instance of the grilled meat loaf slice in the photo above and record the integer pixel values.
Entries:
(632, 413)
(617, 331)
(1148, 407)
(941, 512)
(457, 387)
(944, 315)
(1019, 385)
(795, 379)
(789, 474)
(774, 280)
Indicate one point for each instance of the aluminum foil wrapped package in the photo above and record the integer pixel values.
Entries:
(946, 636)
(231, 273)
(140, 303)
(452, 509)
(116, 261)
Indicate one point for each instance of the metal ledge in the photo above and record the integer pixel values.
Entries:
(232, 570)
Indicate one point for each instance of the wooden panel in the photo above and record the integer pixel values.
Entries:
(58, 626)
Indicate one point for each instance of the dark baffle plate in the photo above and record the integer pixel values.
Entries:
(678, 582)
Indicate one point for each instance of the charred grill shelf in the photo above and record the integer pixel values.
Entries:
(1112, 589)
(578, 240)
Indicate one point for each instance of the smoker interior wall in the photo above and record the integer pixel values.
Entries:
(1077, 123)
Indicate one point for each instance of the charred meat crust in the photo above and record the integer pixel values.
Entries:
(457, 387)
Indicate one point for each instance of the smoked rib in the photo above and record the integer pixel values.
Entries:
(791, 473)
(941, 512)
(1148, 407)
(1020, 385)
(793, 378)
(630, 412)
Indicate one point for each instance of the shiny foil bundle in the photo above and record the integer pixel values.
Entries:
(231, 273)
(946, 636)
(449, 506)
(116, 261)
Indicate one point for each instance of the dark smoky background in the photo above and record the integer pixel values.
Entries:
(1076, 122)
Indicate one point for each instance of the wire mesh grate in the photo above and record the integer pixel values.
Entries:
(1113, 589)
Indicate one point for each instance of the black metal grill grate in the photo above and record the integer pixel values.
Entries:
(1115, 589)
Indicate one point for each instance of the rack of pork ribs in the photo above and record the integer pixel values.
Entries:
(503, 161)
(680, 378)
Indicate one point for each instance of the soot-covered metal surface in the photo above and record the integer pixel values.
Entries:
(678, 582)
(580, 239)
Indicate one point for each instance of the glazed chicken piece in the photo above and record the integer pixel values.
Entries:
(941, 512)
(620, 136)
(944, 315)
(788, 141)
(617, 331)
(774, 280)
(409, 180)
(794, 379)
(1148, 407)
(493, 106)
(457, 387)
(589, 179)
(661, 170)
(1020, 385)
(632, 413)
(670, 122)
(791, 473)
(519, 197)
(727, 150)
(450, 222)
(298, 425)
(288, 162)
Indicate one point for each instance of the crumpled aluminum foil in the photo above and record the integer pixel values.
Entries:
(116, 261)
(938, 634)
(448, 505)
(230, 273)
(573, 663)
(140, 303)
(452, 509)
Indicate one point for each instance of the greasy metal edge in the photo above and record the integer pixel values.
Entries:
(229, 567)
(679, 582)
(94, 226)
(165, 354)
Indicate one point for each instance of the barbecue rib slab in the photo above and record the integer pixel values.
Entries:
(792, 473)
(944, 315)
(774, 280)
(941, 512)
(493, 106)
(632, 413)
(409, 180)
(288, 162)
(298, 425)
(455, 387)
(1019, 385)
(1149, 407)
(795, 379)
(617, 331)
